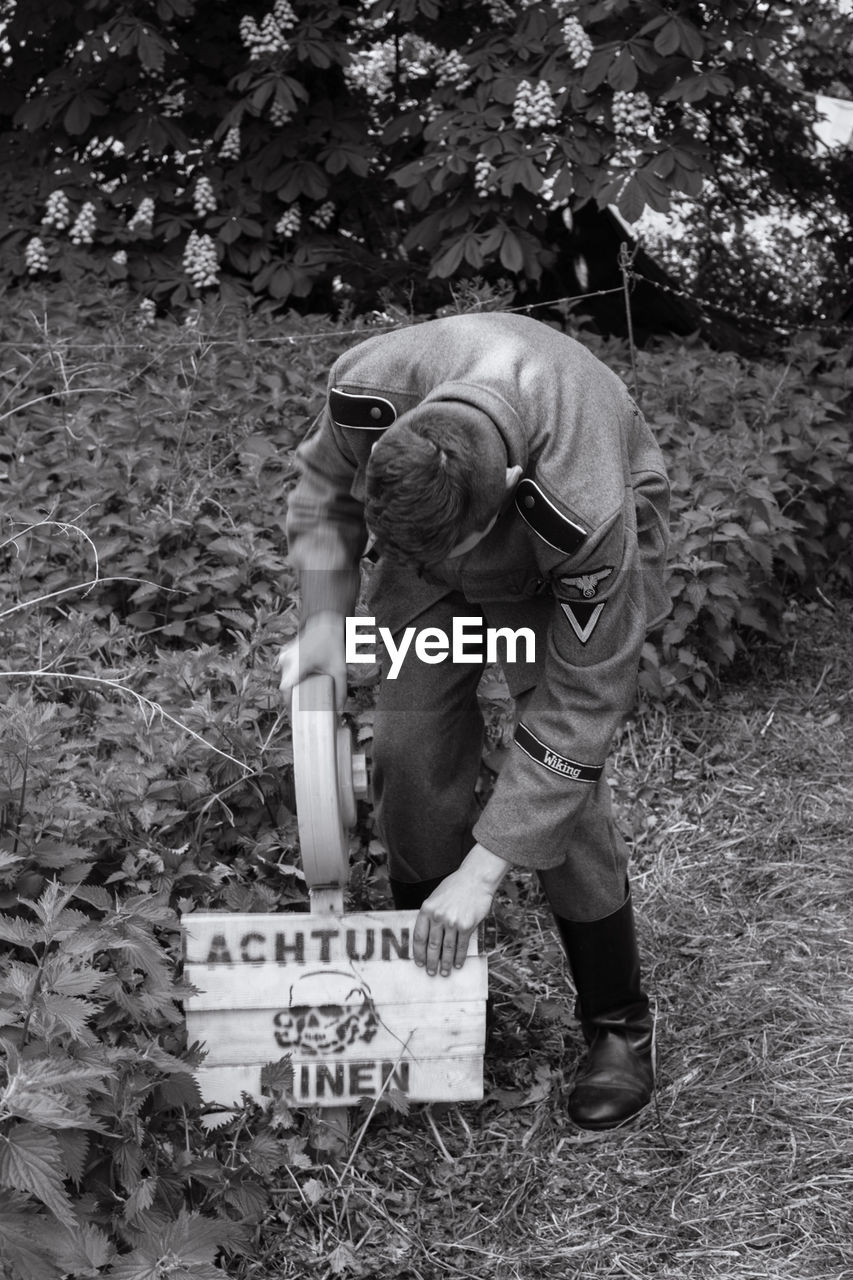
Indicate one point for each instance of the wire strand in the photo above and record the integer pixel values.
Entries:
(193, 335)
(383, 322)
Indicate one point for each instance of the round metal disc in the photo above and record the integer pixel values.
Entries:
(317, 753)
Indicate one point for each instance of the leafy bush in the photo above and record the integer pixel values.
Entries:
(763, 274)
(106, 1166)
(285, 150)
(144, 761)
(144, 769)
(761, 465)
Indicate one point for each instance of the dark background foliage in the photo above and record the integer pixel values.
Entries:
(335, 150)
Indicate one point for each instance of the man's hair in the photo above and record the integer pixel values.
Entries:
(436, 476)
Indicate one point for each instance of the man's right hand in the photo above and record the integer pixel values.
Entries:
(319, 647)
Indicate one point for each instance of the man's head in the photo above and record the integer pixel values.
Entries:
(436, 481)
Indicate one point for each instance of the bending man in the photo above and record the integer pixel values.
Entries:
(503, 473)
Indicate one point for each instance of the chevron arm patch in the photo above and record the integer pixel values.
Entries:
(583, 616)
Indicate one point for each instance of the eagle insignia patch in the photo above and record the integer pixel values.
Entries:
(587, 583)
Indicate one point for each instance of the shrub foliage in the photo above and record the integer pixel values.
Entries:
(144, 760)
(761, 465)
(289, 150)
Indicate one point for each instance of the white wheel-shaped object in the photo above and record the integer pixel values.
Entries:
(322, 771)
(346, 794)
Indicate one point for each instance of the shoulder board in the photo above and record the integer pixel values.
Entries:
(546, 520)
(364, 412)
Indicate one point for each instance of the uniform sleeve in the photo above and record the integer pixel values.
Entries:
(588, 686)
(326, 534)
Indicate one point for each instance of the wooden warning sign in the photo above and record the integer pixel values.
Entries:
(342, 997)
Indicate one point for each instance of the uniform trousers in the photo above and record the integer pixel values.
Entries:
(427, 749)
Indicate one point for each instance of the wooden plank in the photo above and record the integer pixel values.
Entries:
(226, 939)
(272, 986)
(331, 1138)
(344, 1084)
(325, 902)
(226, 1085)
(424, 1031)
(342, 996)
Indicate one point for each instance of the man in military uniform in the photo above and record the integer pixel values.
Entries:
(504, 473)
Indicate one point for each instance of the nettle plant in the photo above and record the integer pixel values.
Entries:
(107, 1168)
(311, 150)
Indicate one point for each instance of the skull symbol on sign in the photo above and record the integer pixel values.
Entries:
(329, 1009)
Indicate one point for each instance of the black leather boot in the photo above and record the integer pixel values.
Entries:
(412, 896)
(616, 1079)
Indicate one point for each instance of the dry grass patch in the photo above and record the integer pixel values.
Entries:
(741, 814)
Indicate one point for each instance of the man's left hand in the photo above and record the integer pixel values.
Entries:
(455, 909)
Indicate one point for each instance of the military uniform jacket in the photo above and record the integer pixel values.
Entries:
(584, 536)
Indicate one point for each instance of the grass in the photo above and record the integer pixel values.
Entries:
(741, 814)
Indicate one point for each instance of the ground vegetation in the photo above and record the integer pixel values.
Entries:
(146, 771)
